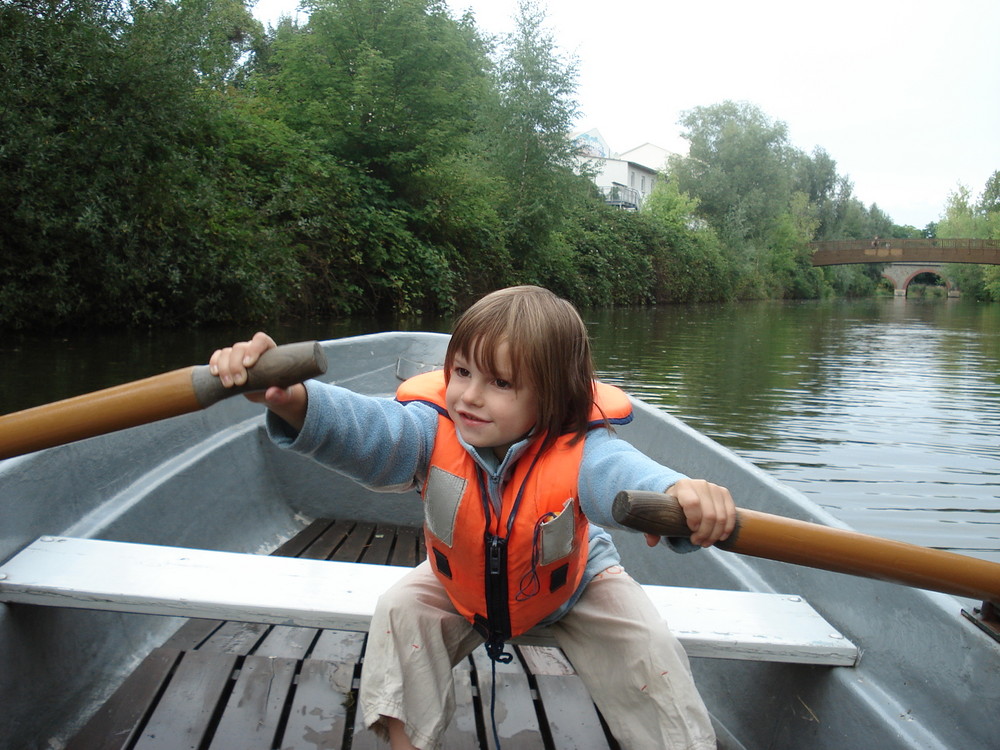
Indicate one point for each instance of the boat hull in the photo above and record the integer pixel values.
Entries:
(927, 677)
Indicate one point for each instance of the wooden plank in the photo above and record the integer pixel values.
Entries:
(379, 547)
(462, 732)
(287, 641)
(183, 715)
(516, 720)
(115, 723)
(197, 583)
(192, 634)
(301, 540)
(118, 576)
(299, 543)
(547, 660)
(354, 546)
(318, 717)
(253, 712)
(196, 633)
(747, 625)
(752, 626)
(235, 637)
(323, 698)
(407, 549)
(573, 720)
(328, 541)
(363, 739)
(249, 718)
(339, 646)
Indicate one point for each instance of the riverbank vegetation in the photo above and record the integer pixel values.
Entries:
(171, 162)
(979, 218)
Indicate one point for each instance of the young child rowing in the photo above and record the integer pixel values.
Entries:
(512, 448)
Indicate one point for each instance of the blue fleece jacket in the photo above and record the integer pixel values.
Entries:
(387, 446)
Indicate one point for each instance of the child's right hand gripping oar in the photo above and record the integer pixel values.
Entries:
(236, 365)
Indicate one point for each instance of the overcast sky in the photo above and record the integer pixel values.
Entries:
(904, 96)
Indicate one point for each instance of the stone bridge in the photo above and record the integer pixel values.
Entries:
(906, 259)
(892, 250)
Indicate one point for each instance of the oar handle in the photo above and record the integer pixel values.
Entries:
(660, 514)
(814, 545)
(282, 366)
(142, 401)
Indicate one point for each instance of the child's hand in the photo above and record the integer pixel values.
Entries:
(708, 508)
(231, 364)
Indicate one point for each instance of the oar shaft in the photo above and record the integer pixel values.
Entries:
(814, 545)
(842, 551)
(91, 414)
(168, 395)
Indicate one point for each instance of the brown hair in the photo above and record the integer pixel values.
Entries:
(548, 346)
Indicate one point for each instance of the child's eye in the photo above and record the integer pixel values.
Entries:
(503, 384)
(462, 372)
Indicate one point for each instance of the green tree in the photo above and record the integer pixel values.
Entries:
(828, 192)
(739, 166)
(741, 169)
(391, 90)
(389, 86)
(689, 264)
(966, 216)
(527, 144)
(790, 258)
(111, 151)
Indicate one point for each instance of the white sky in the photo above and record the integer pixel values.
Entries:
(904, 96)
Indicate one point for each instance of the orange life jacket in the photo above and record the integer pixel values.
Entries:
(506, 572)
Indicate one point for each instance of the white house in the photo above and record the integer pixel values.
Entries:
(625, 180)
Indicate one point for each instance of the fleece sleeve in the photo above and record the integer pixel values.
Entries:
(611, 465)
(378, 442)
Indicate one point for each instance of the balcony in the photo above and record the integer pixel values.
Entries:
(625, 198)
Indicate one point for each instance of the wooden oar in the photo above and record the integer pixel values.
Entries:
(814, 545)
(168, 395)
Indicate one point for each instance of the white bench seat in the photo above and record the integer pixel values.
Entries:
(149, 579)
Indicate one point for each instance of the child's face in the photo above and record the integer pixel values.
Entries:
(488, 411)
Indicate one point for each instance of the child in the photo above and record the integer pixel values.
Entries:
(512, 448)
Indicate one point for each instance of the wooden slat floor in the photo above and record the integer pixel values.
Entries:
(239, 686)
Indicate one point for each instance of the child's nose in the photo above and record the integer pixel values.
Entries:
(473, 393)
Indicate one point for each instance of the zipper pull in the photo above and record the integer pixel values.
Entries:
(495, 554)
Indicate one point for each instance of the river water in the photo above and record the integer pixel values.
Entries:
(885, 411)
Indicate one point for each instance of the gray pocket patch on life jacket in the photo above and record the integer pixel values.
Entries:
(442, 496)
(558, 534)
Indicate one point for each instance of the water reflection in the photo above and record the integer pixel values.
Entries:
(36, 370)
(886, 412)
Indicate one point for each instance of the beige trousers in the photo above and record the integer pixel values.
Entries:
(635, 669)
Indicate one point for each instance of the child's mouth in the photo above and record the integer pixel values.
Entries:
(471, 418)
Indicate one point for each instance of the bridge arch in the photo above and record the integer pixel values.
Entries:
(901, 275)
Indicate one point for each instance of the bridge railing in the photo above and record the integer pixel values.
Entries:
(906, 244)
(892, 249)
